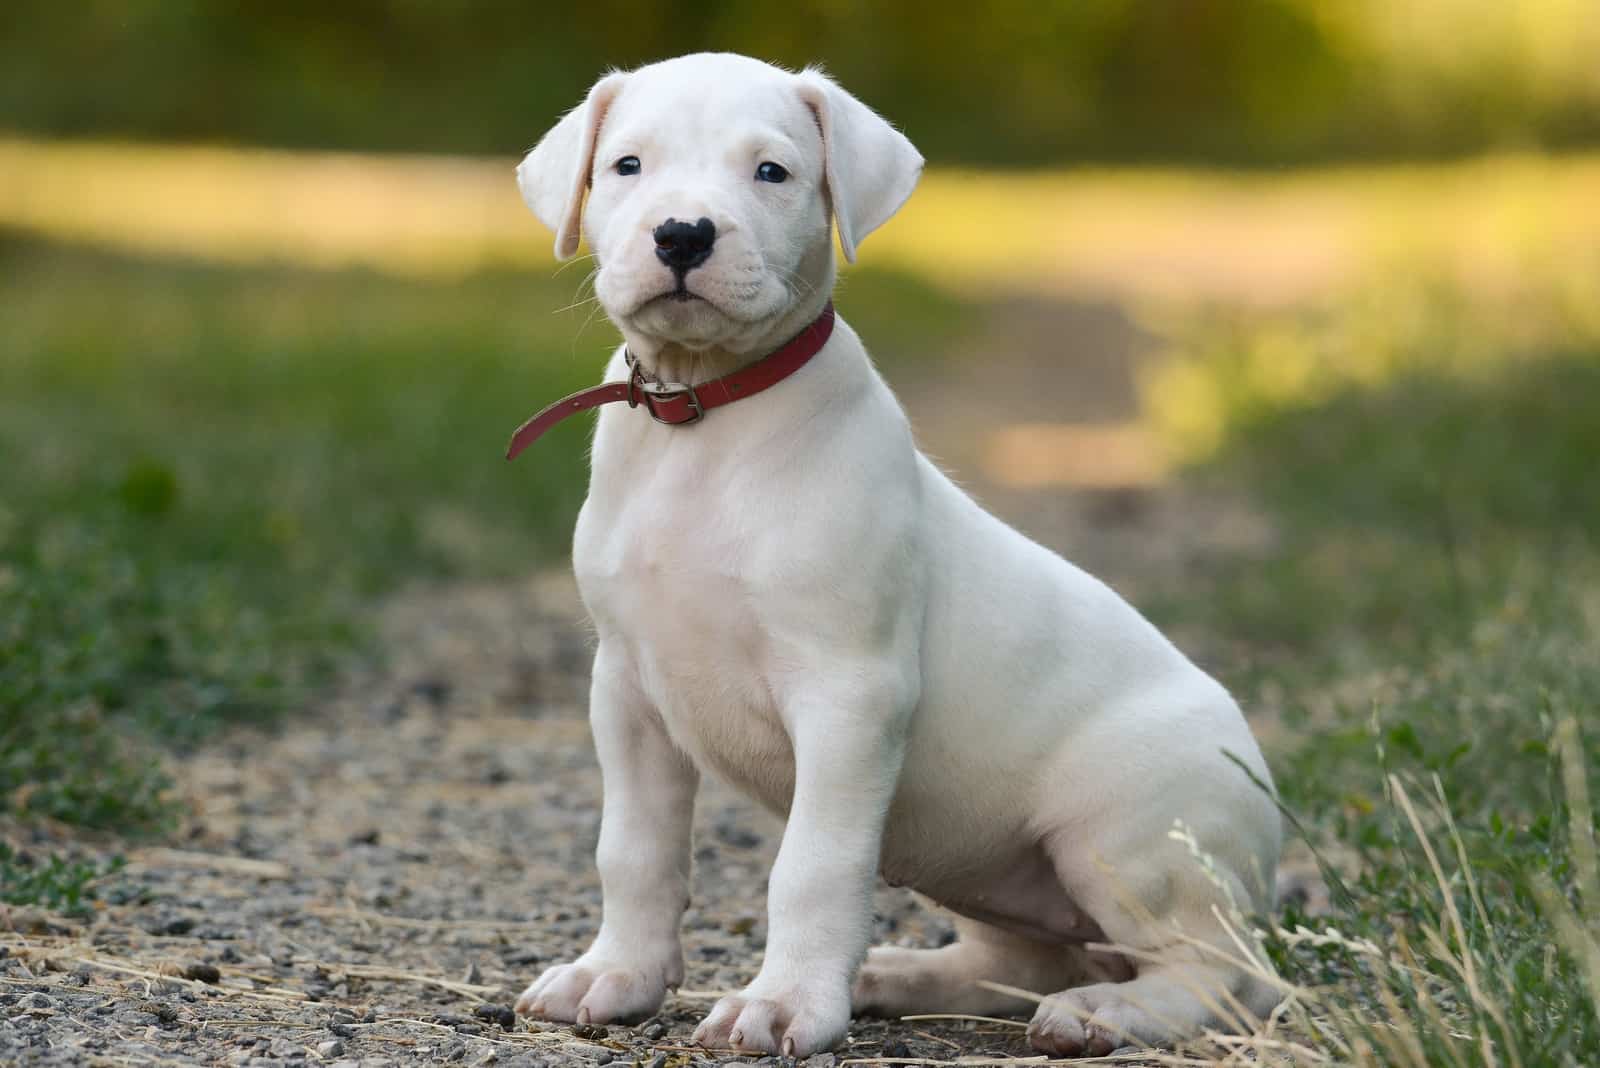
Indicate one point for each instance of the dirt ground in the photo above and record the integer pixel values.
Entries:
(373, 884)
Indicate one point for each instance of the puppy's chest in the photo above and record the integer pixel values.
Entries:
(670, 589)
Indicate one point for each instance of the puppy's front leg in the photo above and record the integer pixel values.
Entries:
(819, 906)
(644, 860)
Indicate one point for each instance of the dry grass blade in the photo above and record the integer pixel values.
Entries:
(1580, 827)
(931, 1037)
(1573, 934)
(1429, 1004)
(1140, 1057)
(1482, 912)
(189, 984)
(1258, 1044)
(1577, 936)
(34, 984)
(966, 1016)
(1010, 991)
(1041, 1059)
(1463, 961)
(157, 858)
(473, 991)
(366, 916)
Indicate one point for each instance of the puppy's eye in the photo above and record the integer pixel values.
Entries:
(628, 165)
(770, 172)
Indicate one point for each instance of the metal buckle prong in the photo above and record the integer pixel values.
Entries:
(668, 390)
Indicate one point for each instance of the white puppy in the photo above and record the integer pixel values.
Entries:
(789, 595)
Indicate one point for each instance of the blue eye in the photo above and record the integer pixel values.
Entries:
(628, 165)
(770, 172)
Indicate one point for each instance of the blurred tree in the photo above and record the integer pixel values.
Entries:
(1003, 82)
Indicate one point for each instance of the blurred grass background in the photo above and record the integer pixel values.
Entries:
(1015, 83)
(269, 306)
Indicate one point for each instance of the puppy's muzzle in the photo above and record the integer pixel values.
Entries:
(684, 246)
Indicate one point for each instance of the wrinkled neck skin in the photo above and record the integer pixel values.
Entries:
(671, 361)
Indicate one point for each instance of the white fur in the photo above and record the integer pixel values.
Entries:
(790, 596)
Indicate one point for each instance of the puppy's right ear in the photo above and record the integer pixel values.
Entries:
(556, 174)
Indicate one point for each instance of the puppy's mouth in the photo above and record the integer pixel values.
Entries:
(680, 294)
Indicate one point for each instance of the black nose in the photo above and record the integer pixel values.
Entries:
(684, 246)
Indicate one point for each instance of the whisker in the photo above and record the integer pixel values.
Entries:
(572, 263)
(581, 300)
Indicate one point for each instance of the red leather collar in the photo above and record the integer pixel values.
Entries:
(676, 403)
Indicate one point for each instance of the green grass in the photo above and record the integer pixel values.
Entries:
(57, 883)
(1426, 630)
(210, 474)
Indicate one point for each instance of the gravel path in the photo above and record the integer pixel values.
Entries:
(374, 884)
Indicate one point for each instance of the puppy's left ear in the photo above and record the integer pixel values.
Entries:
(556, 174)
(870, 167)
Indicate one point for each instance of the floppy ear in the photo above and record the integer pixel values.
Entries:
(556, 174)
(870, 167)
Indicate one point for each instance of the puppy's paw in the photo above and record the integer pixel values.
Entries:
(794, 1023)
(1092, 1021)
(593, 991)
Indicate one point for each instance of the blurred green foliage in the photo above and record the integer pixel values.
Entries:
(62, 884)
(1004, 82)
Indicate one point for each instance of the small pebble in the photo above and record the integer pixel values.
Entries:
(896, 1048)
(331, 1048)
(589, 1031)
(159, 1009)
(500, 1014)
(202, 972)
(605, 1057)
(654, 1031)
(433, 690)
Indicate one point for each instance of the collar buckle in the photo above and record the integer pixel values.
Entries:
(667, 391)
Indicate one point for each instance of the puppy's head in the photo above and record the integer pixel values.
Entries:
(706, 185)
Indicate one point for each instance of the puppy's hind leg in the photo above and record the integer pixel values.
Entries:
(1161, 907)
(896, 981)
